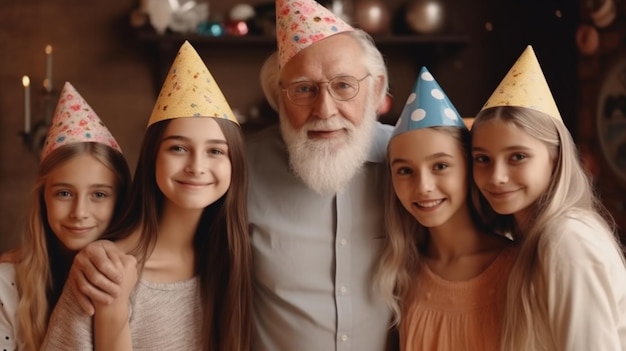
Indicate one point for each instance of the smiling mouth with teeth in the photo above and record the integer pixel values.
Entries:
(429, 204)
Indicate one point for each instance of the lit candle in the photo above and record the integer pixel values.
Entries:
(26, 84)
(48, 81)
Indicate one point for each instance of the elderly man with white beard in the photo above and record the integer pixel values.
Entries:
(315, 199)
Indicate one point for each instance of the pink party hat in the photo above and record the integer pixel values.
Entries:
(190, 90)
(300, 23)
(75, 122)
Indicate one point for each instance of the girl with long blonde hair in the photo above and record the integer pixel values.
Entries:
(82, 181)
(567, 289)
(442, 271)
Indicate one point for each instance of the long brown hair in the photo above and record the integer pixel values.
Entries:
(221, 243)
(44, 264)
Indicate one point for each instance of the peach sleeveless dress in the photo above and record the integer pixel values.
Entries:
(458, 315)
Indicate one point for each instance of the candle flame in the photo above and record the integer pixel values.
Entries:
(25, 81)
(48, 49)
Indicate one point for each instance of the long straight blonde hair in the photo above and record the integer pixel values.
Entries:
(406, 239)
(44, 264)
(569, 192)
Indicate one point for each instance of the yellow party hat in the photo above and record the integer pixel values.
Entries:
(525, 86)
(190, 91)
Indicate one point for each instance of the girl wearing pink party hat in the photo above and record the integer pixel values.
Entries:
(186, 224)
(567, 289)
(83, 179)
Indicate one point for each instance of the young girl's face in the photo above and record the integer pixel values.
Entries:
(429, 175)
(511, 168)
(193, 165)
(80, 197)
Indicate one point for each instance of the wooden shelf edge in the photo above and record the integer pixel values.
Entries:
(383, 40)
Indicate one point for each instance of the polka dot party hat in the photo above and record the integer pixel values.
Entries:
(300, 23)
(525, 86)
(74, 121)
(427, 106)
(189, 90)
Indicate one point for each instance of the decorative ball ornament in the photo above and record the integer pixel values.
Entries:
(603, 13)
(212, 29)
(242, 12)
(236, 28)
(425, 16)
(587, 39)
(372, 16)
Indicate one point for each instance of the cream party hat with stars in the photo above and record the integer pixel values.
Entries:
(190, 90)
(74, 121)
(427, 106)
(525, 86)
(300, 23)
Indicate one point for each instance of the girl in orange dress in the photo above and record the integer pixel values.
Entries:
(442, 272)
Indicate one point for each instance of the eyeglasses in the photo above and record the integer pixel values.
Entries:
(341, 88)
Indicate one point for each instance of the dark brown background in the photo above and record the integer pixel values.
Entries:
(119, 72)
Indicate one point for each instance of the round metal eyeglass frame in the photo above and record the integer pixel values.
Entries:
(341, 88)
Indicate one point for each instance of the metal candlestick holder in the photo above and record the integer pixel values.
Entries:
(35, 138)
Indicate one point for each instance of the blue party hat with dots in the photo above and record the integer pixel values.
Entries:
(427, 106)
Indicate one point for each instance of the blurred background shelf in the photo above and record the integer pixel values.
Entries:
(173, 39)
(245, 54)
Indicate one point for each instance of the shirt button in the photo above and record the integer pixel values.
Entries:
(344, 337)
(344, 242)
(343, 290)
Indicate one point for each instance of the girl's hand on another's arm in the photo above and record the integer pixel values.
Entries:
(111, 321)
(96, 274)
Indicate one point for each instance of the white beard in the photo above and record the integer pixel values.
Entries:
(326, 166)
